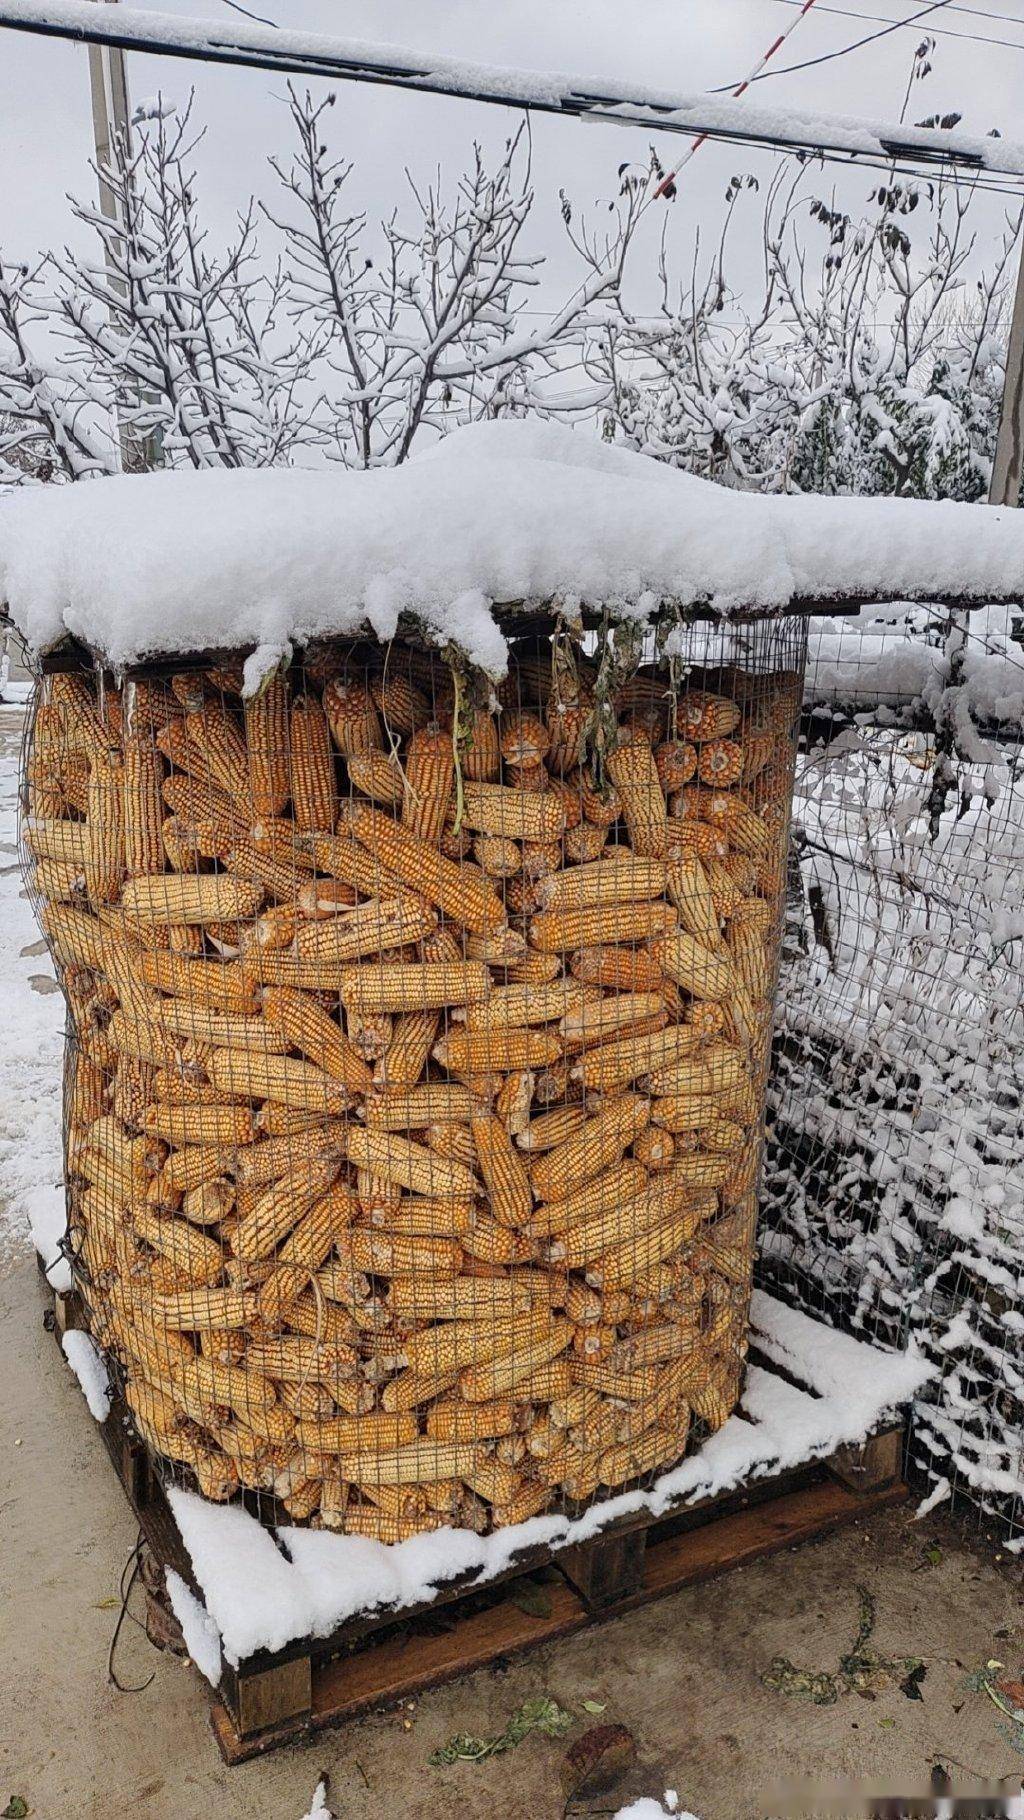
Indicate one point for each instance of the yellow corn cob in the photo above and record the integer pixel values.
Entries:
(143, 809)
(284, 1078)
(619, 879)
(377, 775)
(369, 929)
(613, 1065)
(655, 1149)
(402, 706)
(279, 878)
(212, 732)
(218, 985)
(619, 1267)
(501, 948)
(310, 1029)
(481, 1052)
(180, 845)
(514, 1100)
(462, 1299)
(750, 955)
(503, 1170)
(704, 716)
(419, 1462)
(491, 1243)
(480, 754)
(140, 1038)
(418, 1217)
(715, 1067)
(312, 766)
(497, 857)
(396, 1159)
(492, 1480)
(357, 1434)
(521, 815)
(541, 859)
(412, 1108)
(195, 799)
(185, 1169)
(271, 1157)
(634, 1459)
(453, 1141)
(690, 891)
(58, 880)
(524, 740)
(224, 1029)
(590, 1151)
(429, 779)
(385, 1254)
(350, 864)
(83, 726)
(558, 930)
(105, 847)
(496, 1377)
(195, 1309)
(585, 843)
(618, 1184)
(407, 1053)
(304, 1250)
(665, 1198)
(210, 1202)
(219, 1125)
(509, 1007)
(420, 987)
(410, 1389)
(302, 1358)
(177, 899)
(623, 969)
(613, 1015)
(722, 1137)
(451, 1419)
(700, 970)
(266, 740)
(635, 775)
(352, 717)
(281, 1207)
(87, 1092)
(464, 898)
(552, 1128)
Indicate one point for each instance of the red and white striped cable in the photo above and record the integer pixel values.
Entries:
(772, 51)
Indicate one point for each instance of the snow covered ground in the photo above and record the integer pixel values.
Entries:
(31, 1042)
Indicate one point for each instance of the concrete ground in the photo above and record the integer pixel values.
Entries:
(684, 1675)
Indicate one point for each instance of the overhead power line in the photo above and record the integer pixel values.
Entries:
(840, 139)
(898, 25)
(937, 31)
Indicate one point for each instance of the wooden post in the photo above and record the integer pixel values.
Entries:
(606, 1570)
(869, 1465)
(1004, 488)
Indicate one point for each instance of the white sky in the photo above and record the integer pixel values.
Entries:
(45, 129)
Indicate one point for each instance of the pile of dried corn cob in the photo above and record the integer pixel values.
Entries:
(416, 1079)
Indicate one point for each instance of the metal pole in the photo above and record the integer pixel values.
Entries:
(1004, 488)
(108, 81)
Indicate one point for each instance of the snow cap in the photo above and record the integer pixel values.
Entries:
(496, 515)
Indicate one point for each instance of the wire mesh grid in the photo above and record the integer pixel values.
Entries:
(893, 1198)
(417, 1052)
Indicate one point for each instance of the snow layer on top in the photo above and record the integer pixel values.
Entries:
(163, 564)
(261, 1596)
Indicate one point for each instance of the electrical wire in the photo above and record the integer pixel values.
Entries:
(898, 25)
(844, 12)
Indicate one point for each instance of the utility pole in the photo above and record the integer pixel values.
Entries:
(1004, 487)
(108, 84)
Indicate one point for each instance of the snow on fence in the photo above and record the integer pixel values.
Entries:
(895, 1192)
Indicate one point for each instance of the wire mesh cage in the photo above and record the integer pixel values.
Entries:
(893, 1200)
(417, 1057)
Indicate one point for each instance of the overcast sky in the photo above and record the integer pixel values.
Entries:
(45, 128)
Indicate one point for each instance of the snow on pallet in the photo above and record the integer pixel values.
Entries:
(280, 1613)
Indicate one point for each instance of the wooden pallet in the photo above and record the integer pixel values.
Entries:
(275, 1698)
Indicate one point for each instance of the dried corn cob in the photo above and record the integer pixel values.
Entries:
(398, 1160)
(503, 1170)
(284, 1078)
(452, 1419)
(180, 899)
(377, 775)
(219, 1125)
(312, 766)
(463, 898)
(598, 1146)
(309, 1028)
(352, 717)
(420, 1461)
(510, 1007)
(666, 1197)
(266, 741)
(195, 1309)
(558, 930)
(620, 879)
(372, 928)
(429, 780)
(142, 775)
(522, 815)
(698, 969)
(417, 987)
(705, 716)
(480, 753)
(482, 1052)
(407, 1053)
(619, 1184)
(634, 773)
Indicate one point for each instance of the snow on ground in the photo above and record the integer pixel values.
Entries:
(507, 511)
(31, 1050)
(86, 1361)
